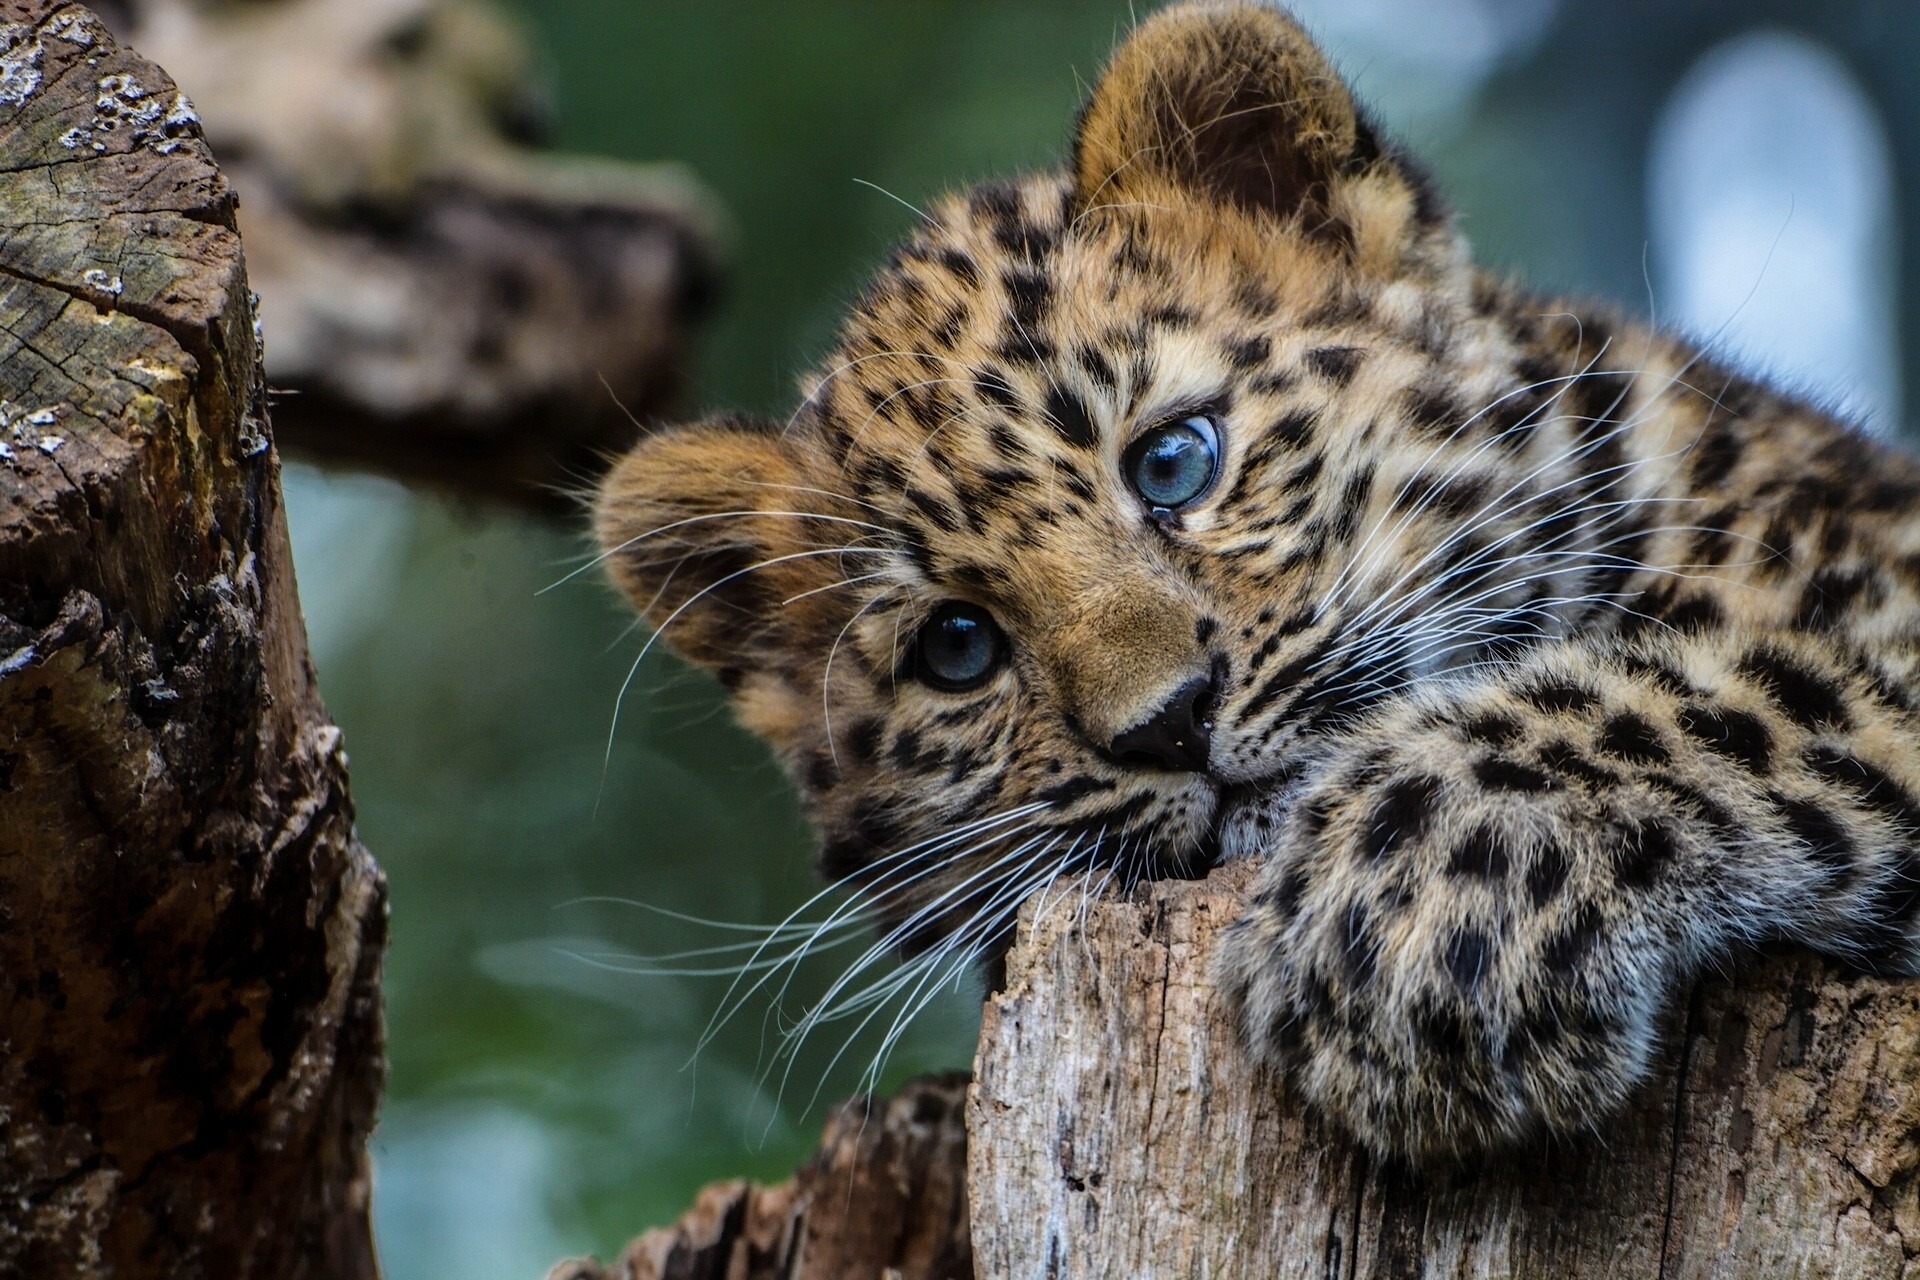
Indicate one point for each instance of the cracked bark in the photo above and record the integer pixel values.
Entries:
(190, 1037)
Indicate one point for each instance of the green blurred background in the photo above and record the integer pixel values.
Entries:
(542, 1106)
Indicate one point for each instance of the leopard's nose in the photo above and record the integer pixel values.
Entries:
(1176, 736)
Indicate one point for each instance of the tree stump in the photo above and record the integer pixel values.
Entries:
(190, 933)
(1115, 1129)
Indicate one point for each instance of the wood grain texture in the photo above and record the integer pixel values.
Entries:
(190, 934)
(1115, 1130)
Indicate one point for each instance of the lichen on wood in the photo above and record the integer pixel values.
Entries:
(190, 932)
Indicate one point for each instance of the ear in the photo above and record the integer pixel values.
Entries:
(1231, 102)
(692, 524)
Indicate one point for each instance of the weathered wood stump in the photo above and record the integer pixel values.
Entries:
(190, 935)
(1114, 1129)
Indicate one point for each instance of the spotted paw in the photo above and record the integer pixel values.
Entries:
(1439, 952)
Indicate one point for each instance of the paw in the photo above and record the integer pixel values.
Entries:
(1438, 953)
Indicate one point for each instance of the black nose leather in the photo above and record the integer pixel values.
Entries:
(1177, 736)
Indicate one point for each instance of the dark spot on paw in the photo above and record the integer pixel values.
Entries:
(1871, 784)
(1640, 852)
(1395, 898)
(1442, 1031)
(1569, 946)
(1703, 806)
(1314, 815)
(1362, 949)
(1498, 773)
(1469, 957)
(1404, 812)
(1284, 898)
(1900, 898)
(1546, 874)
(1540, 1030)
(1564, 760)
(1557, 697)
(1736, 735)
(1826, 840)
(1657, 673)
(1493, 730)
(1693, 613)
(1483, 855)
(1809, 698)
(1628, 737)
(1285, 1031)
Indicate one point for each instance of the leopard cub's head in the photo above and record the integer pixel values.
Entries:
(1061, 550)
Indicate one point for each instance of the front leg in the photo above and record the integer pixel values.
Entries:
(1475, 910)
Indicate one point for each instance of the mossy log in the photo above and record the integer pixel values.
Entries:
(190, 934)
(1115, 1129)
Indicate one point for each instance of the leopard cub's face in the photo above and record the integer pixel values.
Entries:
(1118, 486)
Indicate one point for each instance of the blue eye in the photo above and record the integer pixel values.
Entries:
(1172, 465)
(959, 647)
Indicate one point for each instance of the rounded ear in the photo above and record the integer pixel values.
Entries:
(699, 526)
(1230, 102)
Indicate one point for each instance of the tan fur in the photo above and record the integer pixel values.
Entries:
(1549, 661)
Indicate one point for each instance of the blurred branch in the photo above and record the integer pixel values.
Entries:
(439, 301)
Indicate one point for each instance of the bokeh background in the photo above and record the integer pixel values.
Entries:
(1735, 167)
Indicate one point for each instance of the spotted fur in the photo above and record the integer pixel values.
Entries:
(1548, 661)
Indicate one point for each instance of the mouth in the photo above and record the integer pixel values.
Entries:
(1234, 800)
(1229, 799)
(1207, 850)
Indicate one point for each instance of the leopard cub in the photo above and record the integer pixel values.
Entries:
(1204, 500)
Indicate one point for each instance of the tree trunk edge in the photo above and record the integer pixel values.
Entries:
(191, 929)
